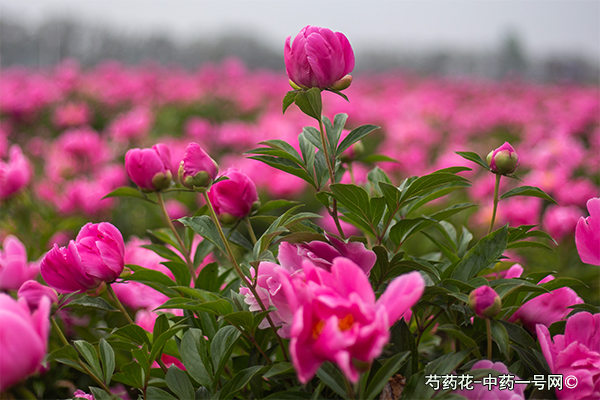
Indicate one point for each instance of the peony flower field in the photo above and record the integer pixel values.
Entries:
(226, 233)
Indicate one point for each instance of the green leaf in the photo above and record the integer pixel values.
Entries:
(289, 99)
(160, 341)
(313, 135)
(205, 227)
(209, 279)
(238, 382)
(377, 175)
(100, 394)
(530, 191)
(146, 275)
(275, 204)
(373, 158)
(163, 251)
(107, 356)
(179, 383)
(133, 332)
(92, 302)
(127, 191)
(66, 355)
(221, 348)
(518, 335)
(500, 335)
(424, 185)
(354, 198)
(194, 356)
(354, 136)
(180, 271)
(241, 319)
(457, 333)
(286, 165)
(383, 375)
(482, 255)
(474, 157)
(309, 102)
(90, 355)
(154, 393)
(132, 375)
(333, 378)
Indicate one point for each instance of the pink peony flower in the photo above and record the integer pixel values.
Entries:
(233, 198)
(485, 302)
(134, 124)
(23, 339)
(95, 256)
(150, 169)
(14, 174)
(337, 318)
(33, 292)
(197, 168)
(576, 353)
(480, 392)
(547, 308)
(319, 57)
(322, 254)
(587, 234)
(14, 268)
(560, 222)
(71, 114)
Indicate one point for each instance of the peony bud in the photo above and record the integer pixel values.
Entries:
(149, 168)
(234, 197)
(94, 257)
(33, 292)
(503, 160)
(14, 174)
(319, 57)
(197, 168)
(352, 152)
(485, 302)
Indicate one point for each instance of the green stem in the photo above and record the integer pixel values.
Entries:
(184, 249)
(496, 188)
(349, 389)
(81, 364)
(488, 326)
(239, 272)
(351, 171)
(250, 230)
(329, 162)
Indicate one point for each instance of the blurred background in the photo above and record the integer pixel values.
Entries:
(549, 41)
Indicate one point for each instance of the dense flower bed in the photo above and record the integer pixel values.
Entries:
(129, 144)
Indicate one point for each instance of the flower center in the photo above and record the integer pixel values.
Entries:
(344, 324)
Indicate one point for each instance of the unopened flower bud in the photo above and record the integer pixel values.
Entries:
(197, 168)
(503, 160)
(485, 302)
(352, 152)
(150, 169)
(342, 84)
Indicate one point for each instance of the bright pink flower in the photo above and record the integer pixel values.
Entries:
(547, 308)
(95, 256)
(338, 319)
(503, 160)
(322, 254)
(485, 302)
(135, 294)
(233, 198)
(134, 124)
(34, 292)
(318, 57)
(14, 268)
(480, 391)
(23, 339)
(197, 168)
(587, 234)
(80, 394)
(561, 221)
(14, 174)
(576, 353)
(150, 169)
(71, 114)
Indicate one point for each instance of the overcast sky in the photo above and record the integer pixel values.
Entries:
(545, 27)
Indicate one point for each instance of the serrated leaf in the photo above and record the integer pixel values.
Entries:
(530, 191)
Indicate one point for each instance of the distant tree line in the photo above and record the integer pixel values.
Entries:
(56, 40)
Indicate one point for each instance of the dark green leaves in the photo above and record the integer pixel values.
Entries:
(530, 191)
(474, 157)
(484, 254)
